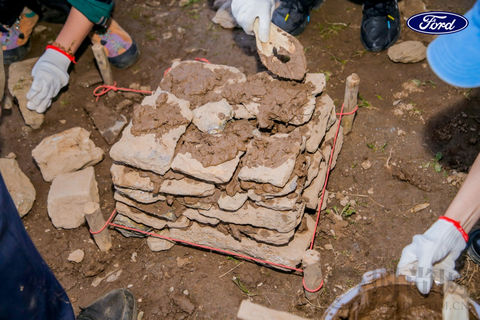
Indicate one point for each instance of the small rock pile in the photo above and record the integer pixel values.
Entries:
(224, 160)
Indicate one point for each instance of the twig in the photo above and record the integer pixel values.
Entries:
(388, 160)
(231, 269)
(362, 195)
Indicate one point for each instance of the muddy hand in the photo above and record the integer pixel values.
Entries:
(246, 11)
(431, 256)
(49, 76)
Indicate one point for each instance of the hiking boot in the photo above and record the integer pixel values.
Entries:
(120, 48)
(293, 16)
(16, 39)
(118, 304)
(473, 246)
(380, 25)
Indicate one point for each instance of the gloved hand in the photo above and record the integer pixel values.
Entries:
(246, 11)
(431, 256)
(49, 76)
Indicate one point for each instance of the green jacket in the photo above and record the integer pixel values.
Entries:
(97, 11)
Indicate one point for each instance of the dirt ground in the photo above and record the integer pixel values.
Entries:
(396, 158)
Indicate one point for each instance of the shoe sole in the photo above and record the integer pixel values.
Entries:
(17, 54)
(127, 58)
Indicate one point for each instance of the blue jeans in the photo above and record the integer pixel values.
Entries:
(28, 288)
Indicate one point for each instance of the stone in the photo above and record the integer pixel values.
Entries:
(65, 152)
(184, 304)
(148, 220)
(411, 7)
(76, 256)
(289, 188)
(193, 214)
(317, 127)
(251, 311)
(246, 111)
(158, 244)
(221, 173)
(18, 185)
(225, 202)
(114, 276)
(314, 167)
(267, 236)
(7, 102)
(107, 121)
(158, 209)
(305, 113)
(140, 196)
(212, 117)
(224, 16)
(326, 146)
(122, 220)
(282, 221)
(280, 204)
(271, 159)
(318, 81)
(89, 79)
(196, 202)
(184, 187)
(147, 151)
(19, 83)
(407, 52)
(68, 195)
(311, 194)
(289, 255)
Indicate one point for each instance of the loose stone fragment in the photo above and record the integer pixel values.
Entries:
(408, 52)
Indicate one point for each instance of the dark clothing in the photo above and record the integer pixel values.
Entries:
(28, 288)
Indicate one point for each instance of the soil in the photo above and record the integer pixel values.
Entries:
(399, 155)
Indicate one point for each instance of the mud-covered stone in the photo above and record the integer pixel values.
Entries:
(212, 117)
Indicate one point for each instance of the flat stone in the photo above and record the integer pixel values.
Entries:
(289, 255)
(317, 80)
(184, 187)
(251, 311)
(147, 151)
(326, 146)
(225, 202)
(407, 52)
(122, 220)
(19, 83)
(140, 196)
(107, 121)
(148, 220)
(289, 188)
(18, 185)
(65, 152)
(280, 204)
(305, 113)
(314, 167)
(312, 192)
(76, 256)
(267, 236)
(158, 244)
(158, 209)
(68, 195)
(193, 214)
(282, 221)
(212, 117)
(224, 16)
(271, 159)
(221, 173)
(88, 79)
(246, 111)
(317, 127)
(204, 203)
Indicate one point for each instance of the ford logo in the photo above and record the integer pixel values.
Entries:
(437, 22)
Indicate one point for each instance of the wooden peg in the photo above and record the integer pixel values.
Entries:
(312, 273)
(104, 66)
(96, 221)
(350, 100)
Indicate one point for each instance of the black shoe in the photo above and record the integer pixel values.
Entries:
(474, 246)
(380, 25)
(293, 16)
(118, 304)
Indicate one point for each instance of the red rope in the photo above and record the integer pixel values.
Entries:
(314, 290)
(106, 88)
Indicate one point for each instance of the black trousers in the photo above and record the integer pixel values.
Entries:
(10, 10)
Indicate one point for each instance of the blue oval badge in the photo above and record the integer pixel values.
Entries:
(437, 22)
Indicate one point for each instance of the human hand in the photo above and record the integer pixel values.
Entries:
(246, 11)
(49, 76)
(431, 256)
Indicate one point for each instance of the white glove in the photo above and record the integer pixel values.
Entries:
(246, 11)
(49, 76)
(431, 256)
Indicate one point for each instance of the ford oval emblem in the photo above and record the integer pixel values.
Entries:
(437, 22)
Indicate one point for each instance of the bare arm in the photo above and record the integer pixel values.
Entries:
(74, 31)
(465, 208)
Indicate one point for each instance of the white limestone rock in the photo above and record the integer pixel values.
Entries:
(289, 255)
(407, 52)
(224, 16)
(282, 221)
(280, 204)
(68, 195)
(159, 209)
(222, 173)
(305, 113)
(246, 111)
(193, 214)
(327, 144)
(289, 188)
(225, 202)
(267, 236)
(65, 152)
(212, 117)
(314, 167)
(317, 127)
(76, 256)
(312, 193)
(18, 185)
(140, 196)
(148, 220)
(158, 244)
(317, 80)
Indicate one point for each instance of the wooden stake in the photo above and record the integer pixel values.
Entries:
(96, 221)
(312, 273)
(350, 100)
(104, 66)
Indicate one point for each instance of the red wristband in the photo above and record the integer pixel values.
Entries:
(70, 57)
(457, 225)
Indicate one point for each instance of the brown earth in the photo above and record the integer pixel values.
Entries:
(400, 143)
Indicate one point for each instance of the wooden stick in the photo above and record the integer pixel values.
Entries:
(350, 100)
(96, 221)
(104, 66)
(312, 273)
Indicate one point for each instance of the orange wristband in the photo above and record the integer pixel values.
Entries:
(457, 225)
(69, 56)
